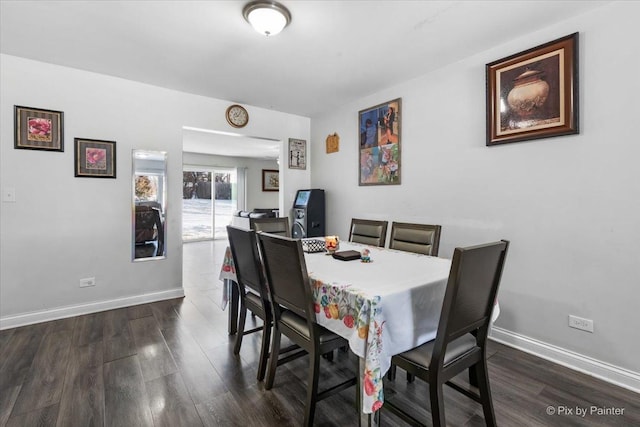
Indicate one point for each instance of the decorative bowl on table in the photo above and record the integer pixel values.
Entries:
(331, 244)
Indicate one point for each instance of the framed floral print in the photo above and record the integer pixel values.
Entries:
(95, 158)
(38, 129)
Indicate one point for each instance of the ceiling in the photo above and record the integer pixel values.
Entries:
(332, 53)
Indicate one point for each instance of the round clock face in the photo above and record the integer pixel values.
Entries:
(237, 116)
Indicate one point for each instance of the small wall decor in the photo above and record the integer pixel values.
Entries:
(333, 143)
(95, 158)
(38, 129)
(534, 94)
(270, 180)
(379, 130)
(297, 153)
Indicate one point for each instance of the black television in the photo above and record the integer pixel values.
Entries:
(302, 198)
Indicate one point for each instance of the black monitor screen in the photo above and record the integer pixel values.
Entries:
(302, 198)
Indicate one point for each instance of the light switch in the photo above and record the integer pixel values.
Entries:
(9, 195)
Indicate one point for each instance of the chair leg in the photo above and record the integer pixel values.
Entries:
(264, 349)
(437, 404)
(482, 377)
(241, 321)
(273, 357)
(312, 388)
(473, 376)
(410, 377)
(391, 374)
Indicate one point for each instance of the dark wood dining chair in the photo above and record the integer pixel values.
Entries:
(460, 342)
(253, 291)
(279, 225)
(295, 317)
(369, 232)
(417, 238)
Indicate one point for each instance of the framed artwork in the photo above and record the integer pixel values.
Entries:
(379, 130)
(297, 153)
(95, 158)
(270, 180)
(533, 94)
(38, 129)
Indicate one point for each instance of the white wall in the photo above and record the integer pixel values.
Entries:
(63, 228)
(569, 205)
(256, 198)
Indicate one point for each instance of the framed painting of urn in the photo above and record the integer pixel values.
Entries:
(534, 94)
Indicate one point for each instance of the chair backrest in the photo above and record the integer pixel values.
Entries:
(287, 276)
(471, 291)
(417, 238)
(246, 259)
(148, 224)
(279, 226)
(368, 231)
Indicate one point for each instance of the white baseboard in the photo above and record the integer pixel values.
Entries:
(596, 368)
(23, 319)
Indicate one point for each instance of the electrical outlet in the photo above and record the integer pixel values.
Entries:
(581, 323)
(87, 282)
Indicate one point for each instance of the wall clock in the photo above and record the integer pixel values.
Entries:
(237, 116)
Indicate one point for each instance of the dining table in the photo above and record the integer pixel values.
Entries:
(382, 307)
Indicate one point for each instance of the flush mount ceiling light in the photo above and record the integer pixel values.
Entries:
(266, 17)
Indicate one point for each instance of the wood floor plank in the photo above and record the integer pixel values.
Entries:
(165, 314)
(223, 410)
(170, 402)
(139, 311)
(43, 384)
(117, 338)
(89, 328)
(154, 355)
(8, 398)
(67, 324)
(44, 417)
(82, 401)
(125, 397)
(20, 351)
(201, 379)
(5, 336)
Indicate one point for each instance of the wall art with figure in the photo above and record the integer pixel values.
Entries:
(379, 133)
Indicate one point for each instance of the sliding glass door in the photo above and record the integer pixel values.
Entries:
(209, 200)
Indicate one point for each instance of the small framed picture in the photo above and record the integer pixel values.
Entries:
(95, 158)
(297, 153)
(270, 180)
(38, 129)
(534, 94)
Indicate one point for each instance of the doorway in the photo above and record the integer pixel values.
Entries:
(209, 199)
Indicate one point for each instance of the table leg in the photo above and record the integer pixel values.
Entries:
(366, 420)
(234, 298)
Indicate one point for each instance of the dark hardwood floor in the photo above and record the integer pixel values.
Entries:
(171, 363)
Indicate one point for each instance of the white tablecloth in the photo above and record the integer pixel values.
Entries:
(383, 308)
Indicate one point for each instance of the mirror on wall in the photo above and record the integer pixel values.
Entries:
(149, 175)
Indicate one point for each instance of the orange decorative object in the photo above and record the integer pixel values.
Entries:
(331, 243)
(333, 143)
